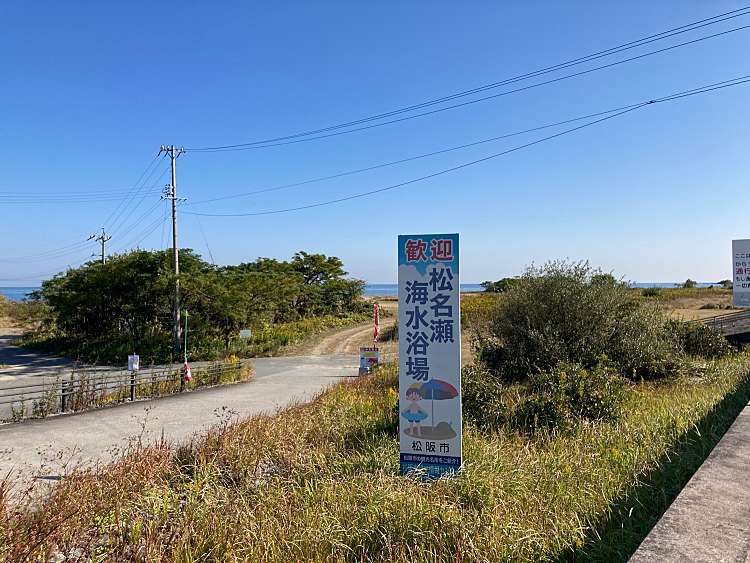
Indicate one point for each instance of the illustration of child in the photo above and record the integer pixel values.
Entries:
(414, 414)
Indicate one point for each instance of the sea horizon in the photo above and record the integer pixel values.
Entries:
(19, 293)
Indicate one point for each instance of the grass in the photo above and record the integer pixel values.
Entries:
(319, 482)
(673, 293)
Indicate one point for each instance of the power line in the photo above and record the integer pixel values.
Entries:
(138, 223)
(276, 141)
(120, 221)
(40, 275)
(62, 199)
(149, 229)
(678, 95)
(425, 155)
(47, 254)
(135, 187)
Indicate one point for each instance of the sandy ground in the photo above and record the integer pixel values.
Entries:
(689, 308)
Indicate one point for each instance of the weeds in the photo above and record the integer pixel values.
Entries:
(319, 482)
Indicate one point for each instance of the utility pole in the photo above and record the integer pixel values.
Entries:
(102, 239)
(171, 193)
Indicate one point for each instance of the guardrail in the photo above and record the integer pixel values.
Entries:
(90, 388)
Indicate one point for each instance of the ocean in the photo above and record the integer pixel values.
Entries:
(17, 293)
(371, 289)
(391, 289)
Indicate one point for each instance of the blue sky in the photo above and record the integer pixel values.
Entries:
(91, 90)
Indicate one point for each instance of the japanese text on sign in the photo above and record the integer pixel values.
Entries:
(429, 354)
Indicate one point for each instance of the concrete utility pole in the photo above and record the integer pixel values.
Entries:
(171, 193)
(102, 238)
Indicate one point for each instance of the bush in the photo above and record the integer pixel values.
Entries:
(651, 292)
(569, 393)
(481, 398)
(566, 312)
(701, 340)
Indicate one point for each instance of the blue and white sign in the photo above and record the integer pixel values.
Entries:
(741, 270)
(429, 317)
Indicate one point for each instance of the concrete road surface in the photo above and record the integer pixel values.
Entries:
(709, 521)
(89, 437)
(18, 362)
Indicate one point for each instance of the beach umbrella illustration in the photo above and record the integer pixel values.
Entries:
(437, 390)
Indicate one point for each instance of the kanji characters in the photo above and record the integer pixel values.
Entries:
(416, 292)
(415, 250)
(440, 279)
(442, 330)
(418, 343)
(417, 368)
(441, 249)
(416, 318)
(439, 306)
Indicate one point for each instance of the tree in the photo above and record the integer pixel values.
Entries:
(499, 286)
(105, 311)
(689, 284)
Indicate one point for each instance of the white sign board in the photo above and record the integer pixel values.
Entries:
(134, 362)
(741, 275)
(246, 333)
(369, 357)
(429, 318)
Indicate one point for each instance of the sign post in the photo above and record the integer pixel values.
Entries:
(134, 362)
(369, 357)
(741, 273)
(376, 322)
(429, 318)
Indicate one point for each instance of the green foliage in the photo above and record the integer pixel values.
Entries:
(726, 284)
(24, 313)
(701, 340)
(499, 286)
(569, 393)
(651, 292)
(320, 482)
(482, 398)
(569, 312)
(689, 284)
(102, 312)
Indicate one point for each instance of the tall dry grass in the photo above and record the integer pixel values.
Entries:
(320, 482)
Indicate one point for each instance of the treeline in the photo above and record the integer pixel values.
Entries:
(102, 312)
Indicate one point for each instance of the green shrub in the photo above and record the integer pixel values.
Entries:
(651, 292)
(701, 340)
(569, 393)
(565, 312)
(481, 398)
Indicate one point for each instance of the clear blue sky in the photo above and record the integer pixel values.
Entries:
(90, 90)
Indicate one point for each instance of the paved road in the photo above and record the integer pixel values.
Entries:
(18, 362)
(90, 437)
(709, 521)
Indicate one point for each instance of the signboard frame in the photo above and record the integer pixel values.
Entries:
(429, 313)
(741, 273)
(369, 357)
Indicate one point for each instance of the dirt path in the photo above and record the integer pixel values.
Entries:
(344, 341)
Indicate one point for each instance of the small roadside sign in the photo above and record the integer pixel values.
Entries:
(246, 333)
(369, 357)
(134, 362)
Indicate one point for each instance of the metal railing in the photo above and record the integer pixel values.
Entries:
(84, 389)
(727, 321)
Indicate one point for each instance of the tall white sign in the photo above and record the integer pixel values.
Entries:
(429, 316)
(741, 276)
